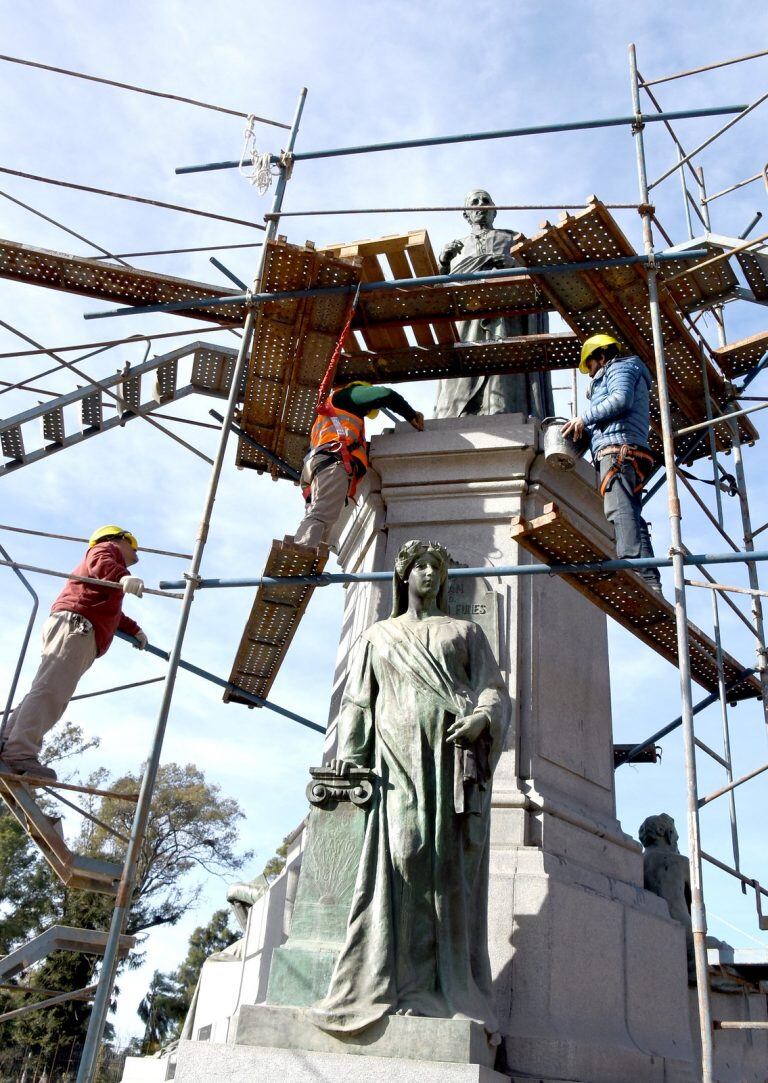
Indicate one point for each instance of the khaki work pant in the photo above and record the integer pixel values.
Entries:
(69, 649)
(327, 495)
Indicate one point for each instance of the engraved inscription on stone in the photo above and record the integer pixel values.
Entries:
(473, 599)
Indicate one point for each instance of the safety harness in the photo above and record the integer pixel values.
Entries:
(642, 462)
(349, 429)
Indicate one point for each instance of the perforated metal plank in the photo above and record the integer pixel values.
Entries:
(624, 596)
(53, 425)
(614, 300)
(755, 267)
(110, 282)
(273, 620)
(705, 284)
(441, 305)
(12, 443)
(91, 410)
(165, 380)
(292, 345)
(212, 370)
(130, 391)
(738, 358)
(528, 353)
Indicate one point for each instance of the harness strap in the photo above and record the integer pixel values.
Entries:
(641, 461)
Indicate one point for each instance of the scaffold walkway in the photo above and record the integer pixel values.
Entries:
(274, 618)
(74, 870)
(623, 595)
(614, 301)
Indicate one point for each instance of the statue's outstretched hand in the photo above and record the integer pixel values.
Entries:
(468, 728)
(341, 767)
(450, 250)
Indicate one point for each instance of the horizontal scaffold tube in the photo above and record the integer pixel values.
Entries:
(626, 564)
(396, 284)
(257, 701)
(475, 137)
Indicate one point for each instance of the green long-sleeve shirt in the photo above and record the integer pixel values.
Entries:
(360, 400)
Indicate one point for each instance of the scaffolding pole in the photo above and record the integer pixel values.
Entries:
(698, 913)
(88, 1063)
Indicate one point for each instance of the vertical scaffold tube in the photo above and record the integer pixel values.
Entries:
(88, 1062)
(698, 914)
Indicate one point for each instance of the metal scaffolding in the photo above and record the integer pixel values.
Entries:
(676, 477)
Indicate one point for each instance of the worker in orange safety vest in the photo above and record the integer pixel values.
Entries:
(338, 456)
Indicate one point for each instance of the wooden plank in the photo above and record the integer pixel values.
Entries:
(625, 596)
(422, 331)
(424, 264)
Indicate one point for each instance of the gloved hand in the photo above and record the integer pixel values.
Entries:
(131, 584)
(141, 640)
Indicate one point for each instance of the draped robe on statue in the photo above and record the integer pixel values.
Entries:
(530, 393)
(417, 933)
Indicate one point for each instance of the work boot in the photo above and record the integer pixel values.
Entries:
(30, 766)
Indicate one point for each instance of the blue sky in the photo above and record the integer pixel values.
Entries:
(374, 73)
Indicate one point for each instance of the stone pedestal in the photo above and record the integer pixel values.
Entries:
(590, 971)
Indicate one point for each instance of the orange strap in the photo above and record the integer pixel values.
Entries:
(641, 461)
(327, 381)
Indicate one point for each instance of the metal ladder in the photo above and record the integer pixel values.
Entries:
(212, 369)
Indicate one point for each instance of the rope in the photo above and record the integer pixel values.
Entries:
(260, 172)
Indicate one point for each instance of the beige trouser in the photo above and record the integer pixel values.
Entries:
(69, 649)
(327, 495)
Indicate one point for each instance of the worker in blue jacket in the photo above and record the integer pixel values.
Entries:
(617, 422)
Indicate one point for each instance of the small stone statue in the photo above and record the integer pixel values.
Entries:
(426, 708)
(487, 248)
(666, 872)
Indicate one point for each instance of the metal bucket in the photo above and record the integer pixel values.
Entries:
(559, 451)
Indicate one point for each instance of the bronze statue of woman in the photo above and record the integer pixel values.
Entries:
(426, 707)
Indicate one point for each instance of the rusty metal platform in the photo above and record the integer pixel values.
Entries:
(111, 281)
(74, 870)
(738, 358)
(614, 300)
(624, 596)
(527, 353)
(293, 342)
(273, 620)
(754, 264)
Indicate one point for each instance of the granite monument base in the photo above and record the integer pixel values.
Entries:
(206, 1062)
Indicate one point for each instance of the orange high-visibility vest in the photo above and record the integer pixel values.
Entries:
(344, 430)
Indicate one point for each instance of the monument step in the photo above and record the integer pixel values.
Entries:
(208, 1062)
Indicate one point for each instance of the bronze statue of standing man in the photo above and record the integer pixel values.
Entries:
(487, 248)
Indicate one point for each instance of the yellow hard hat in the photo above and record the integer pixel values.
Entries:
(595, 342)
(111, 531)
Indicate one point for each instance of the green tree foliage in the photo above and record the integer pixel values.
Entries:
(191, 829)
(276, 863)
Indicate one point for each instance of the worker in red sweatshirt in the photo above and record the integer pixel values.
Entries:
(82, 624)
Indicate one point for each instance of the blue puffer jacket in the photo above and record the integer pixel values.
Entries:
(618, 404)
